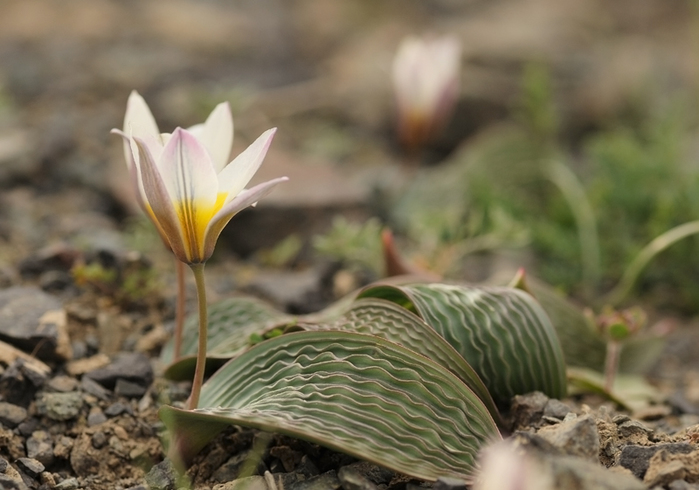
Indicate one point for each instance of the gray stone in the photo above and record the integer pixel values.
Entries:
(62, 384)
(96, 418)
(28, 427)
(128, 389)
(11, 415)
(59, 406)
(162, 476)
(576, 437)
(20, 382)
(30, 466)
(574, 473)
(682, 485)
(249, 483)
(376, 474)
(99, 439)
(556, 409)
(288, 457)
(284, 480)
(292, 290)
(55, 281)
(40, 447)
(351, 479)
(21, 323)
(93, 388)
(230, 470)
(117, 408)
(68, 484)
(447, 483)
(307, 468)
(527, 410)
(326, 481)
(7, 483)
(129, 366)
(637, 458)
(529, 441)
(633, 428)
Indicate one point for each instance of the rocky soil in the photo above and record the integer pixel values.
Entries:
(86, 300)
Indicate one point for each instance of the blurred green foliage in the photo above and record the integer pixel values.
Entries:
(629, 181)
(637, 175)
(359, 245)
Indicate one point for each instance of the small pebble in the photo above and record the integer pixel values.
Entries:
(96, 417)
(128, 389)
(31, 466)
(99, 440)
(63, 384)
(7, 483)
(27, 427)
(40, 447)
(48, 479)
(353, 480)
(94, 388)
(162, 476)
(11, 415)
(121, 433)
(68, 484)
(447, 483)
(326, 481)
(117, 408)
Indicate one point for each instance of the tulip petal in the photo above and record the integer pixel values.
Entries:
(216, 134)
(138, 121)
(158, 203)
(190, 178)
(236, 175)
(244, 199)
(133, 171)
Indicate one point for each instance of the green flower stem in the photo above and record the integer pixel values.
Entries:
(179, 311)
(611, 364)
(198, 270)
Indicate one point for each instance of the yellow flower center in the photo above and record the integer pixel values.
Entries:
(194, 217)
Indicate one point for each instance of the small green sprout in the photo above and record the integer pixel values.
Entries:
(617, 327)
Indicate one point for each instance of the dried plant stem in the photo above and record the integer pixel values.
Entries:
(198, 270)
(179, 310)
(611, 364)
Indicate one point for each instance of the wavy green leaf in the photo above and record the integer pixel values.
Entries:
(503, 333)
(231, 323)
(392, 322)
(358, 394)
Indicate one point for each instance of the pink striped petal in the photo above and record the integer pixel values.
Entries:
(248, 197)
(191, 181)
(158, 203)
(138, 121)
(216, 135)
(238, 173)
(187, 170)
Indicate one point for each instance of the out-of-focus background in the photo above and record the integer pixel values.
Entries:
(606, 90)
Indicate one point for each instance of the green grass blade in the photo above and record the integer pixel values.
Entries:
(358, 394)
